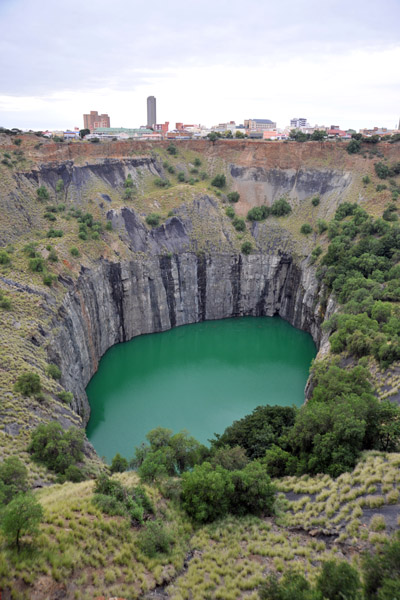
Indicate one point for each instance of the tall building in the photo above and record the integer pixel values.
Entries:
(297, 123)
(151, 111)
(93, 120)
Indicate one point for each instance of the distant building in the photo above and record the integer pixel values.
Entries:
(161, 128)
(93, 120)
(151, 111)
(123, 133)
(259, 125)
(296, 123)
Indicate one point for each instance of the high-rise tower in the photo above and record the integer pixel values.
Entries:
(151, 111)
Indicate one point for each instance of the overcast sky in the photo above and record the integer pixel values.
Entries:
(206, 61)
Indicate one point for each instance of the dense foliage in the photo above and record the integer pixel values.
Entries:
(115, 499)
(361, 268)
(59, 450)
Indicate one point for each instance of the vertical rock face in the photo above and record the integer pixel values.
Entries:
(114, 302)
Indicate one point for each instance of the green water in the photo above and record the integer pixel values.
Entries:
(198, 377)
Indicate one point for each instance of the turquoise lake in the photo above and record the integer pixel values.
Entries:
(198, 377)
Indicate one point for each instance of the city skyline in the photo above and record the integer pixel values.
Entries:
(333, 62)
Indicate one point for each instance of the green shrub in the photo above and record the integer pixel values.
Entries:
(5, 303)
(153, 219)
(206, 492)
(128, 182)
(354, 146)
(53, 371)
(50, 216)
(230, 212)
(36, 264)
(181, 176)
(306, 229)
(380, 187)
(173, 150)
(13, 478)
(154, 539)
(109, 226)
(53, 256)
(75, 252)
(4, 258)
(247, 247)
(119, 464)
(315, 201)
(56, 448)
(59, 186)
(219, 181)
(161, 182)
(53, 233)
(48, 279)
(258, 213)
(239, 224)
(22, 516)
(30, 249)
(42, 193)
(280, 208)
(171, 170)
(197, 162)
(366, 179)
(75, 474)
(322, 226)
(233, 196)
(338, 580)
(82, 235)
(66, 397)
(28, 384)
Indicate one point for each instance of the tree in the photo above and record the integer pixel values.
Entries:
(28, 384)
(354, 146)
(119, 464)
(206, 492)
(14, 476)
(247, 248)
(21, 516)
(83, 132)
(338, 580)
(253, 491)
(153, 219)
(318, 135)
(280, 208)
(173, 150)
(212, 136)
(56, 448)
(381, 571)
(306, 229)
(233, 196)
(219, 181)
(42, 193)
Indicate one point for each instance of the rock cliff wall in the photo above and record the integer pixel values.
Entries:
(113, 302)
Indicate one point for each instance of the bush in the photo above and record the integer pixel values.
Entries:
(42, 193)
(161, 182)
(173, 150)
(239, 224)
(258, 213)
(230, 212)
(181, 176)
(315, 201)
(48, 279)
(52, 255)
(154, 539)
(36, 264)
(366, 179)
(233, 196)
(5, 302)
(354, 146)
(280, 208)
(66, 397)
(75, 474)
(56, 448)
(322, 226)
(53, 233)
(206, 492)
(74, 251)
(338, 580)
(109, 226)
(197, 162)
(13, 478)
(59, 186)
(119, 464)
(4, 258)
(53, 371)
(28, 384)
(306, 229)
(247, 248)
(22, 516)
(219, 181)
(153, 219)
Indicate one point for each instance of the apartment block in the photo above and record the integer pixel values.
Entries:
(93, 120)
